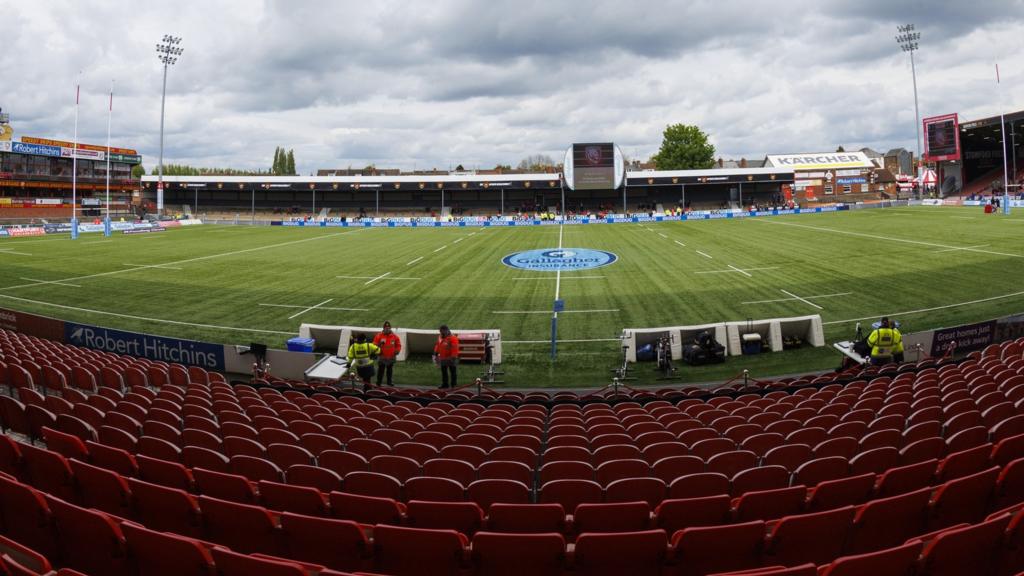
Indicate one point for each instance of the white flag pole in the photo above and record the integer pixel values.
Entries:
(110, 114)
(74, 166)
(1002, 127)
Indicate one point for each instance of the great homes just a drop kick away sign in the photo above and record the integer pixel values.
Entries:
(555, 259)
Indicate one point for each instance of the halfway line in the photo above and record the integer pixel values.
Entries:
(702, 254)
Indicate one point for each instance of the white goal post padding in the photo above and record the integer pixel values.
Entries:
(414, 341)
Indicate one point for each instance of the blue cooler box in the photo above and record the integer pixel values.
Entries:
(751, 343)
(301, 344)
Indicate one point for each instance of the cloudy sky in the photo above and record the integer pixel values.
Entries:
(480, 82)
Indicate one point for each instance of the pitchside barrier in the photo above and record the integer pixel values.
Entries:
(773, 331)
(414, 341)
(579, 220)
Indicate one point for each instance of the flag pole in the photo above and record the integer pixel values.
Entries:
(110, 114)
(1002, 128)
(74, 166)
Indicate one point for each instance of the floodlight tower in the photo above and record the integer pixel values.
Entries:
(907, 39)
(167, 51)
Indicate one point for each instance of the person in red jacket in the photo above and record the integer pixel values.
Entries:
(446, 355)
(390, 345)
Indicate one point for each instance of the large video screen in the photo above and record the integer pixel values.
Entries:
(942, 138)
(593, 166)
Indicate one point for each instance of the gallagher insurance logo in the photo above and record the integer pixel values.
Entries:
(554, 259)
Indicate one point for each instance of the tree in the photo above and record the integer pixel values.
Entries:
(459, 168)
(138, 171)
(536, 162)
(503, 168)
(278, 165)
(684, 147)
(290, 163)
(840, 149)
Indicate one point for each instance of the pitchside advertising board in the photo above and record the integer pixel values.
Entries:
(209, 356)
(941, 138)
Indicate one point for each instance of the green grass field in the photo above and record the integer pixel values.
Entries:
(928, 266)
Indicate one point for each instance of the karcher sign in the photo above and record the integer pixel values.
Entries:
(822, 161)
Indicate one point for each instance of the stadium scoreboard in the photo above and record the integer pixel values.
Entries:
(942, 138)
(594, 166)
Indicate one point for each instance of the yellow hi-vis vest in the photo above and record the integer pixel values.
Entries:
(362, 354)
(885, 342)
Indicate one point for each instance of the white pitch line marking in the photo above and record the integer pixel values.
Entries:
(372, 280)
(51, 282)
(560, 341)
(805, 297)
(604, 310)
(301, 312)
(731, 271)
(319, 308)
(702, 254)
(414, 261)
(441, 248)
(804, 300)
(680, 243)
(963, 217)
(196, 259)
(15, 252)
(164, 266)
(886, 238)
(662, 235)
(457, 240)
(565, 278)
(744, 272)
(961, 248)
(922, 310)
(145, 318)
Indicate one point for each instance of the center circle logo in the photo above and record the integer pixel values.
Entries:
(555, 259)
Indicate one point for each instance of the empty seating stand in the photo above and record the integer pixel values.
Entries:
(149, 469)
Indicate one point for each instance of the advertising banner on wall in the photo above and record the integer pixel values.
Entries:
(32, 325)
(83, 154)
(820, 161)
(66, 144)
(35, 149)
(209, 356)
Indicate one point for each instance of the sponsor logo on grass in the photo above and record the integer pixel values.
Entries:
(554, 259)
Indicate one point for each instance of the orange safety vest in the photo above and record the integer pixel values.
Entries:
(390, 345)
(447, 348)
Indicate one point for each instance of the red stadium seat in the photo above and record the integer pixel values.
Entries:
(497, 554)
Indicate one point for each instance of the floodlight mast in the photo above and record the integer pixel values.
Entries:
(167, 52)
(907, 39)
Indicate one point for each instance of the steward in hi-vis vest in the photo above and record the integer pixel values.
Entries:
(886, 343)
(361, 356)
(390, 345)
